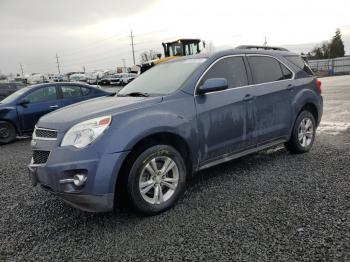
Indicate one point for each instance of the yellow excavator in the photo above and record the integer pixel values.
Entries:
(174, 49)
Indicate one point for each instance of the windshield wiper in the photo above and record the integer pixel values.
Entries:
(135, 94)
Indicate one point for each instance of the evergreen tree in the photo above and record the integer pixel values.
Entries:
(336, 46)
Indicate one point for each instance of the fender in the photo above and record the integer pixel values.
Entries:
(175, 116)
(9, 114)
(305, 96)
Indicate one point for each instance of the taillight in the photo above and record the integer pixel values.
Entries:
(318, 86)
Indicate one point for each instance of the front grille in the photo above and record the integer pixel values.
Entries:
(45, 133)
(40, 157)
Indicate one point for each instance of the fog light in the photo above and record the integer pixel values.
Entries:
(79, 179)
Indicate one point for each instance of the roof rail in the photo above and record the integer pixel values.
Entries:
(261, 47)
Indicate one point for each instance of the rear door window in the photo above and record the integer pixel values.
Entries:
(85, 91)
(265, 69)
(71, 91)
(231, 68)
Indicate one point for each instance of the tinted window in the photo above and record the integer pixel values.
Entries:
(85, 91)
(265, 69)
(42, 95)
(287, 74)
(231, 68)
(301, 63)
(71, 91)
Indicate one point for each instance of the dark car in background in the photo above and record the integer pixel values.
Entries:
(20, 111)
(179, 117)
(7, 89)
(109, 80)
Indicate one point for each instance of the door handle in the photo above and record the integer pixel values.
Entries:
(290, 87)
(248, 97)
(55, 106)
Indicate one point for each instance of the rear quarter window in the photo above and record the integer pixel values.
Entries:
(299, 62)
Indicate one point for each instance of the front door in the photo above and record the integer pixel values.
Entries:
(222, 116)
(39, 102)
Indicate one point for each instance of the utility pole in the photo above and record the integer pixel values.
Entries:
(84, 69)
(132, 46)
(265, 43)
(124, 67)
(21, 69)
(58, 64)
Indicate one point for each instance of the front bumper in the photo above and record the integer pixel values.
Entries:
(97, 194)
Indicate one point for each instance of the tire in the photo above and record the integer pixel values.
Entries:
(303, 134)
(146, 179)
(7, 132)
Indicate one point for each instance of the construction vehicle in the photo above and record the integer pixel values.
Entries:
(174, 49)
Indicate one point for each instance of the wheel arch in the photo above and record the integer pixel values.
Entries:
(167, 138)
(311, 107)
(18, 131)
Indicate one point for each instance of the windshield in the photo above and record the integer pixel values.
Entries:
(14, 95)
(164, 78)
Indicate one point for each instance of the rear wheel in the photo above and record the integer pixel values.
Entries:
(7, 133)
(303, 135)
(156, 179)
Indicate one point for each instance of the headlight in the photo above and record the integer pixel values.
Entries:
(86, 132)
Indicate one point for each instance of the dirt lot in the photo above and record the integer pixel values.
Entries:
(270, 206)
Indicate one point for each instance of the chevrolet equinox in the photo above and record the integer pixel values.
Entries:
(179, 117)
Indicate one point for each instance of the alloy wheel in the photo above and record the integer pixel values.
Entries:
(158, 180)
(305, 132)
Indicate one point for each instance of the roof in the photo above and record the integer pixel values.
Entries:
(261, 47)
(184, 40)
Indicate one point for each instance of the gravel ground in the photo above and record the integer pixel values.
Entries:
(270, 206)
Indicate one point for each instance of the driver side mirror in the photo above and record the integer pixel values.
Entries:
(213, 85)
(24, 102)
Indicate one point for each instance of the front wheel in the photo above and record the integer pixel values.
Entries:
(303, 134)
(7, 132)
(156, 180)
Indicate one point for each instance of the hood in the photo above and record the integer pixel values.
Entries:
(6, 107)
(65, 118)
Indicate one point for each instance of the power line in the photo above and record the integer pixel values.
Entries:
(92, 45)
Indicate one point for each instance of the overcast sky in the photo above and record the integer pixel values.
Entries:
(95, 34)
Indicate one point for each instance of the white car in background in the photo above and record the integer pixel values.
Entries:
(78, 78)
(126, 78)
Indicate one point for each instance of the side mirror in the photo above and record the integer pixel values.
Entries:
(213, 85)
(24, 102)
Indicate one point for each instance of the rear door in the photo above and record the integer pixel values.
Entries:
(272, 92)
(40, 102)
(73, 94)
(222, 116)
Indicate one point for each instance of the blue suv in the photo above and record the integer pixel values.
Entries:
(177, 118)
